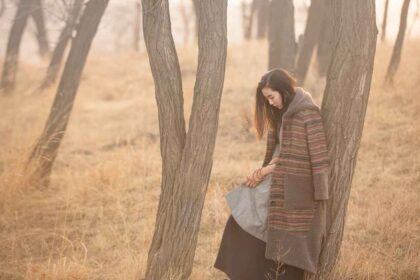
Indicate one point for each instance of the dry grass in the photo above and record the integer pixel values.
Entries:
(96, 220)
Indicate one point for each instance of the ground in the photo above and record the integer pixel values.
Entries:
(97, 218)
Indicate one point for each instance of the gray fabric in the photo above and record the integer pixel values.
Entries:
(249, 206)
(302, 100)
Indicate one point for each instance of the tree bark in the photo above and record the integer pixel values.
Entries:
(63, 40)
(13, 45)
(282, 43)
(384, 21)
(396, 54)
(343, 110)
(41, 32)
(310, 38)
(325, 44)
(186, 158)
(46, 148)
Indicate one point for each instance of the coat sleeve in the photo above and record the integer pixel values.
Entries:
(271, 143)
(318, 153)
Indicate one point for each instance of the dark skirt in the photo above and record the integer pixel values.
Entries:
(242, 257)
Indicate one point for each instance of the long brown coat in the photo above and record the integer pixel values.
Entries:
(299, 190)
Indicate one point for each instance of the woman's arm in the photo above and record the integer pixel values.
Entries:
(318, 153)
(258, 175)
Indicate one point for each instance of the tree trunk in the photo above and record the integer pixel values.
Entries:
(384, 21)
(262, 18)
(247, 18)
(137, 26)
(310, 38)
(343, 110)
(60, 48)
(282, 43)
(325, 44)
(46, 149)
(8, 79)
(41, 32)
(2, 7)
(196, 19)
(396, 54)
(186, 158)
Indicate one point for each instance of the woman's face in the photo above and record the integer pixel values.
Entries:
(273, 97)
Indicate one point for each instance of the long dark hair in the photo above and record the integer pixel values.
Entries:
(265, 115)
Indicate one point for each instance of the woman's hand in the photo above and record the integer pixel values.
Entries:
(255, 177)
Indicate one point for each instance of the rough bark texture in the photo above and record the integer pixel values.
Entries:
(343, 109)
(282, 44)
(46, 149)
(384, 21)
(310, 38)
(186, 158)
(41, 32)
(396, 54)
(325, 44)
(63, 40)
(8, 79)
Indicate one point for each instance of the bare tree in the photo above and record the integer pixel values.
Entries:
(248, 10)
(325, 43)
(46, 148)
(8, 79)
(73, 14)
(262, 7)
(186, 157)
(137, 26)
(281, 35)
(384, 21)
(343, 110)
(396, 54)
(2, 7)
(310, 38)
(41, 32)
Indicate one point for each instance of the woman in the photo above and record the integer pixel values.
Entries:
(296, 221)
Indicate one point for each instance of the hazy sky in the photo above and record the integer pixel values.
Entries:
(115, 32)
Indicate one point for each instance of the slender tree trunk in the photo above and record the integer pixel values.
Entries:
(282, 43)
(196, 18)
(310, 38)
(2, 7)
(325, 43)
(41, 32)
(137, 26)
(384, 21)
(186, 158)
(10, 65)
(247, 19)
(262, 18)
(46, 149)
(396, 54)
(60, 48)
(343, 110)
